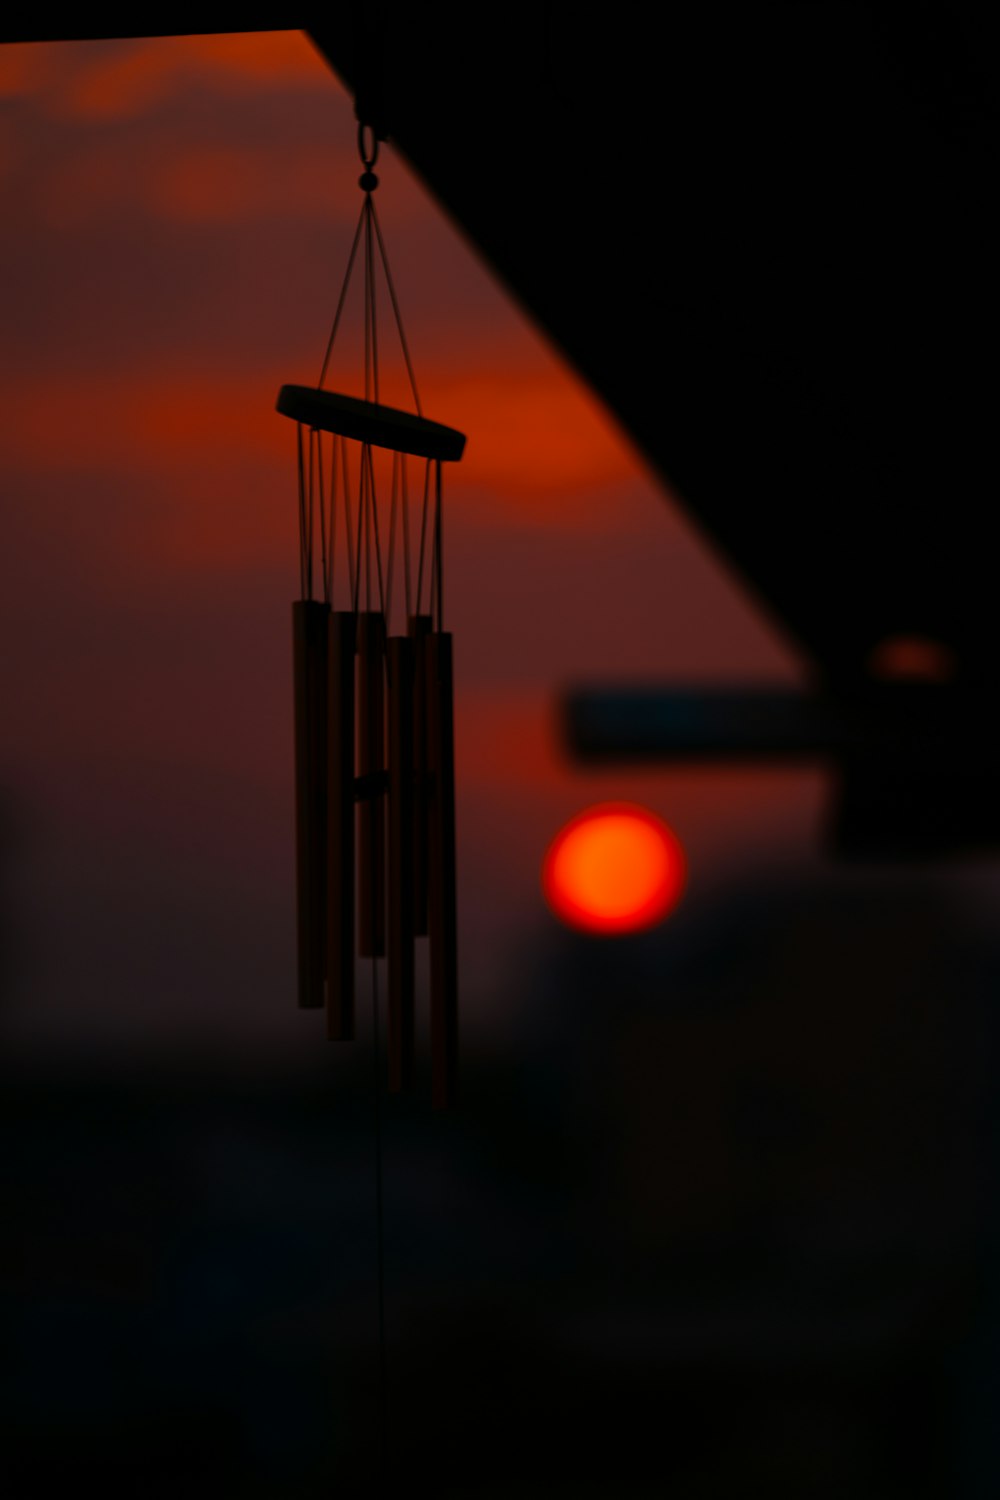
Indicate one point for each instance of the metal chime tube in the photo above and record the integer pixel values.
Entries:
(400, 901)
(340, 936)
(442, 883)
(371, 771)
(309, 627)
(420, 628)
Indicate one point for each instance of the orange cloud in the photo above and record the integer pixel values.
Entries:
(137, 76)
(230, 184)
(130, 81)
(26, 67)
(534, 434)
(136, 419)
(538, 434)
(261, 57)
(538, 446)
(213, 185)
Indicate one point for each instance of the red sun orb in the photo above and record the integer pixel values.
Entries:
(614, 868)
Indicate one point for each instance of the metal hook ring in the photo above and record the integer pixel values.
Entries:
(368, 156)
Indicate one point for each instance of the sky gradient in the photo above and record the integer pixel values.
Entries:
(177, 218)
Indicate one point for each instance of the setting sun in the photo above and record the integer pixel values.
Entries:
(614, 868)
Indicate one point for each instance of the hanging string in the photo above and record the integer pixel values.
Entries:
(367, 299)
(332, 522)
(342, 299)
(370, 229)
(396, 311)
(324, 566)
(371, 297)
(352, 570)
(423, 534)
(438, 548)
(406, 540)
(390, 565)
(367, 514)
(366, 452)
(379, 1214)
(371, 329)
(435, 592)
(361, 533)
(369, 181)
(319, 485)
(302, 513)
(311, 514)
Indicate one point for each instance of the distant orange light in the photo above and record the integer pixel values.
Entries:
(614, 868)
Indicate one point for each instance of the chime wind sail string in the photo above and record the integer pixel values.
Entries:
(374, 758)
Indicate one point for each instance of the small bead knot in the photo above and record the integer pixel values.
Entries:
(368, 181)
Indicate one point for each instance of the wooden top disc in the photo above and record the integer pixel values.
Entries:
(367, 422)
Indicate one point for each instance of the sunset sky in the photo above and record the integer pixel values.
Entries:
(177, 215)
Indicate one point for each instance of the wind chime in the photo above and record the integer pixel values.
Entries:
(374, 758)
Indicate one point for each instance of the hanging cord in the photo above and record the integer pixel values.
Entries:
(353, 565)
(395, 309)
(324, 559)
(360, 541)
(310, 515)
(436, 604)
(406, 541)
(383, 1382)
(332, 522)
(369, 182)
(390, 566)
(343, 297)
(438, 547)
(370, 230)
(367, 518)
(303, 570)
(373, 506)
(423, 534)
(366, 489)
(371, 326)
